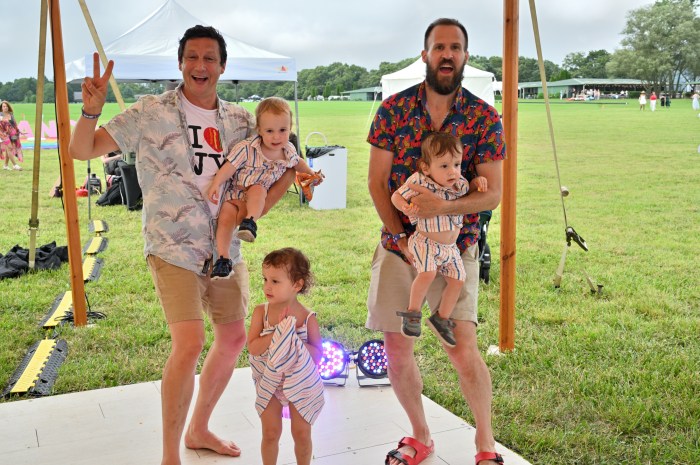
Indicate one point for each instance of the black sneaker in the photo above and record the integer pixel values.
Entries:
(248, 230)
(223, 268)
(442, 327)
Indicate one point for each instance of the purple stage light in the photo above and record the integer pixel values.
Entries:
(371, 359)
(333, 361)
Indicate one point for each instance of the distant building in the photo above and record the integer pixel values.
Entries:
(367, 94)
(576, 86)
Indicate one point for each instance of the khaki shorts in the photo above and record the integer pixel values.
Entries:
(390, 288)
(185, 295)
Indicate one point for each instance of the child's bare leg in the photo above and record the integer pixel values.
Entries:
(301, 433)
(271, 420)
(419, 289)
(255, 198)
(450, 295)
(224, 229)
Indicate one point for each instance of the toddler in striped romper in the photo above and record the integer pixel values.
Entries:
(433, 245)
(284, 347)
(253, 165)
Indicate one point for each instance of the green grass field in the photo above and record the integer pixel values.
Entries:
(604, 379)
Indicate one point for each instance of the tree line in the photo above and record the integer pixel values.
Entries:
(660, 47)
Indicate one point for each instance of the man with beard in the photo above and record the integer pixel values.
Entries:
(439, 104)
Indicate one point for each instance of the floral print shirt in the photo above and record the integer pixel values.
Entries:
(399, 126)
(177, 223)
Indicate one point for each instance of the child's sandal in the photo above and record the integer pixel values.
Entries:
(410, 323)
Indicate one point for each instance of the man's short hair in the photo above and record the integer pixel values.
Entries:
(199, 31)
(446, 22)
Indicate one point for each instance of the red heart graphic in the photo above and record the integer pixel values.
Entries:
(211, 135)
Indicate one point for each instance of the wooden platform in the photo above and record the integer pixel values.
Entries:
(121, 426)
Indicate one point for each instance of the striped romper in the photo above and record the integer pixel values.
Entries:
(429, 255)
(254, 168)
(287, 371)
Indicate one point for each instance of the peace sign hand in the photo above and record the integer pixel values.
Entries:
(95, 88)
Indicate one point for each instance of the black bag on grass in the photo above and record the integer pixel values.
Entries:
(113, 195)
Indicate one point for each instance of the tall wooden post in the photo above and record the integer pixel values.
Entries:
(511, 19)
(67, 171)
(101, 52)
(39, 110)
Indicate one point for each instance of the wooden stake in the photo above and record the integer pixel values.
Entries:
(34, 218)
(101, 52)
(67, 170)
(511, 21)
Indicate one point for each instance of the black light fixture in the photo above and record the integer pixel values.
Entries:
(370, 362)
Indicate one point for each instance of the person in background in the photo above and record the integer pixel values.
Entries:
(643, 101)
(403, 120)
(10, 144)
(652, 101)
(179, 138)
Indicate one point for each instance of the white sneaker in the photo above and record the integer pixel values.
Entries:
(17, 168)
(7, 167)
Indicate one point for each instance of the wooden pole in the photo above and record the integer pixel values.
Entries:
(101, 52)
(67, 171)
(511, 21)
(34, 217)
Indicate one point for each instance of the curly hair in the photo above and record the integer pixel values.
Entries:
(297, 265)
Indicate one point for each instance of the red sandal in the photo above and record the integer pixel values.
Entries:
(495, 456)
(422, 451)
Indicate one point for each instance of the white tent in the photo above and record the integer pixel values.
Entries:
(478, 82)
(148, 52)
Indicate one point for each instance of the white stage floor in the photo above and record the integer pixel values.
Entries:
(121, 426)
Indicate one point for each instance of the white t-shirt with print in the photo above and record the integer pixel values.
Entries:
(206, 144)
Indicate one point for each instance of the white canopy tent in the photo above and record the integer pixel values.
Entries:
(479, 83)
(148, 52)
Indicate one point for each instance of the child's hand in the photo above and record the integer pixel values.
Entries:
(213, 194)
(319, 177)
(481, 184)
(410, 209)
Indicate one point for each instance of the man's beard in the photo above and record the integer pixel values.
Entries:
(433, 80)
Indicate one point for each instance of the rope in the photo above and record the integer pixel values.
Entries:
(543, 77)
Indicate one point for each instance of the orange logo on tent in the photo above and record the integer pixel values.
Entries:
(283, 69)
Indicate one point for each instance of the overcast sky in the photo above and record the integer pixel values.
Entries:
(320, 32)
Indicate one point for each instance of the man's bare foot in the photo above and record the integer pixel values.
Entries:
(406, 451)
(209, 440)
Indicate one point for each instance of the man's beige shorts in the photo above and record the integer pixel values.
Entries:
(185, 295)
(390, 289)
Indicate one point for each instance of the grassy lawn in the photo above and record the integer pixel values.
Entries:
(604, 379)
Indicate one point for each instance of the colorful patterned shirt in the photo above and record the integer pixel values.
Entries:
(399, 126)
(441, 222)
(177, 223)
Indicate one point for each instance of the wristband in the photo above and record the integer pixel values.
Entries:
(88, 115)
(398, 236)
